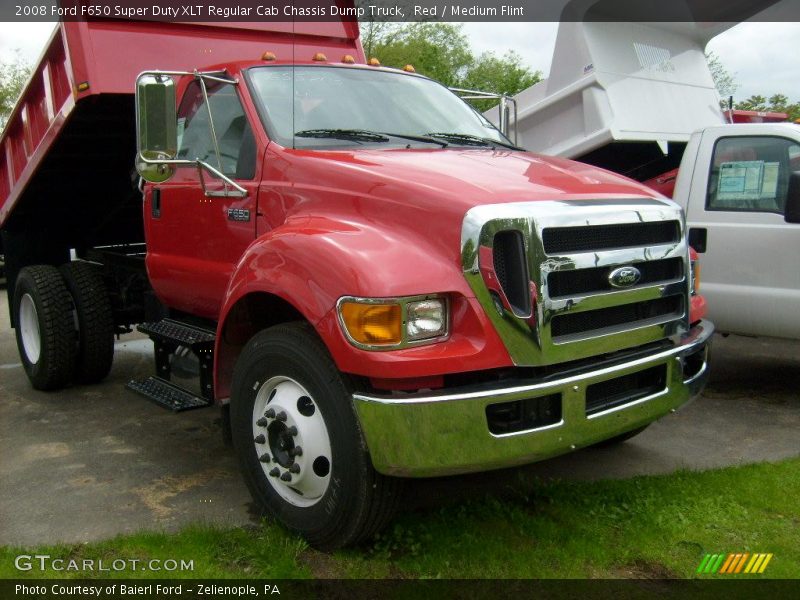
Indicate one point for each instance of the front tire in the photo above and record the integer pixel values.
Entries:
(287, 395)
(44, 327)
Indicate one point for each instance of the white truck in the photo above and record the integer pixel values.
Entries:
(740, 188)
(639, 99)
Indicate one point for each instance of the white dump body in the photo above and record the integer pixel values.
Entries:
(612, 82)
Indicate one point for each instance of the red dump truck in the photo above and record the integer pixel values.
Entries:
(374, 281)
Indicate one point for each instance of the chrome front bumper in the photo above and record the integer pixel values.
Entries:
(428, 434)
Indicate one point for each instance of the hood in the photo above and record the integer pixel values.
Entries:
(463, 178)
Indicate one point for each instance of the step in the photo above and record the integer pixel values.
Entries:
(167, 394)
(175, 332)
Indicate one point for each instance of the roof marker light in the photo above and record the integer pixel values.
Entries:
(374, 62)
(348, 59)
(320, 57)
(409, 69)
(269, 56)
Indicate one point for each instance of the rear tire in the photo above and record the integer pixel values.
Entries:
(44, 327)
(329, 493)
(95, 321)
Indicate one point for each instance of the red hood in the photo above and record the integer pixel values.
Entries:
(464, 178)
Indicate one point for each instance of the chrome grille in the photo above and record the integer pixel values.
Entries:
(572, 247)
(636, 314)
(586, 281)
(559, 240)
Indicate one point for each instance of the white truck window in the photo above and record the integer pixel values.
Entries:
(751, 174)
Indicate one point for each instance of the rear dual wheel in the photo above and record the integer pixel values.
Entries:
(64, 325)
(299, 443)
(44, 327)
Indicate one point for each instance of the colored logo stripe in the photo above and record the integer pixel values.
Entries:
(735, 562)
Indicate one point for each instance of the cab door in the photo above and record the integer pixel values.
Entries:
(194, 241)
(750, 274)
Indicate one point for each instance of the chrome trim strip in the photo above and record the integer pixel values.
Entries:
(534, 430)
(524, 391)
(614, 409)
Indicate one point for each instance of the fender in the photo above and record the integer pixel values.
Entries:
(310, 262)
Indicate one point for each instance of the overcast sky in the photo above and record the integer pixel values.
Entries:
(761, 56)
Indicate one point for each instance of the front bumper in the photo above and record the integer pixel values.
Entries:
(434, 433)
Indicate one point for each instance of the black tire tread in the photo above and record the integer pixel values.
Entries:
(54, 309)
(95, 353)
(385, 499)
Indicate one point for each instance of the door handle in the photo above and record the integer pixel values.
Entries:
(155, 203)
(698, 238)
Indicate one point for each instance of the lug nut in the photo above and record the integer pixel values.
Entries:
(295, 468)
(296, 451)
(260, 439)
(292, 430)
(262, 422)
(275, 472)
(281, 416)
(270, 414)
(265, 458)
(286, 476)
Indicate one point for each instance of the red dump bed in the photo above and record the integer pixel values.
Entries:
(66, 156)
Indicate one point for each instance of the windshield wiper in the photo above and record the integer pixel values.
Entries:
(471, 140)
(358, 135)
(419, 138)
(363, 135)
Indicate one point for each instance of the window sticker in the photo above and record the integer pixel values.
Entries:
(747, 180)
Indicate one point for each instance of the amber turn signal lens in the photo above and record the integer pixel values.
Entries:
(373, 324)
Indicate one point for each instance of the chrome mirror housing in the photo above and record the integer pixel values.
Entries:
(156, 127)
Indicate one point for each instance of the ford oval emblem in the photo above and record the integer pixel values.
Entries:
(624, 277)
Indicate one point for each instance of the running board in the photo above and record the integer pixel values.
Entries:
(168, 335)
(166, 394)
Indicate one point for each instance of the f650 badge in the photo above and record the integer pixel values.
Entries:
(624, 277)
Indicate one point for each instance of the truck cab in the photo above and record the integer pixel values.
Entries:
(740, 188)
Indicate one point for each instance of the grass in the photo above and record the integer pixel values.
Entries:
(647, 527)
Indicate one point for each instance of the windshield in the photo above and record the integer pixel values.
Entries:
(335, 106)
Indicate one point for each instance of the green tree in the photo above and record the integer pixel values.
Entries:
(13, 75)
(442, 51)
(776, 103)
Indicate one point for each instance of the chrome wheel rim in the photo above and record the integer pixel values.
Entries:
(291, 441)
(29, 329)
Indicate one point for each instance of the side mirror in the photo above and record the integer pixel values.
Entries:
(791, 213)
(156, 127)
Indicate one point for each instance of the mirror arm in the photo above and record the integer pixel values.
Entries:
(211, 121)
(238, 190)
(502, 109)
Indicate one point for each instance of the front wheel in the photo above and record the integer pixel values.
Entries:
(299, 443)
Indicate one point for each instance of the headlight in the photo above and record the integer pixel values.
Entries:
(694, 282)
(426, 319)
(385, 324)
